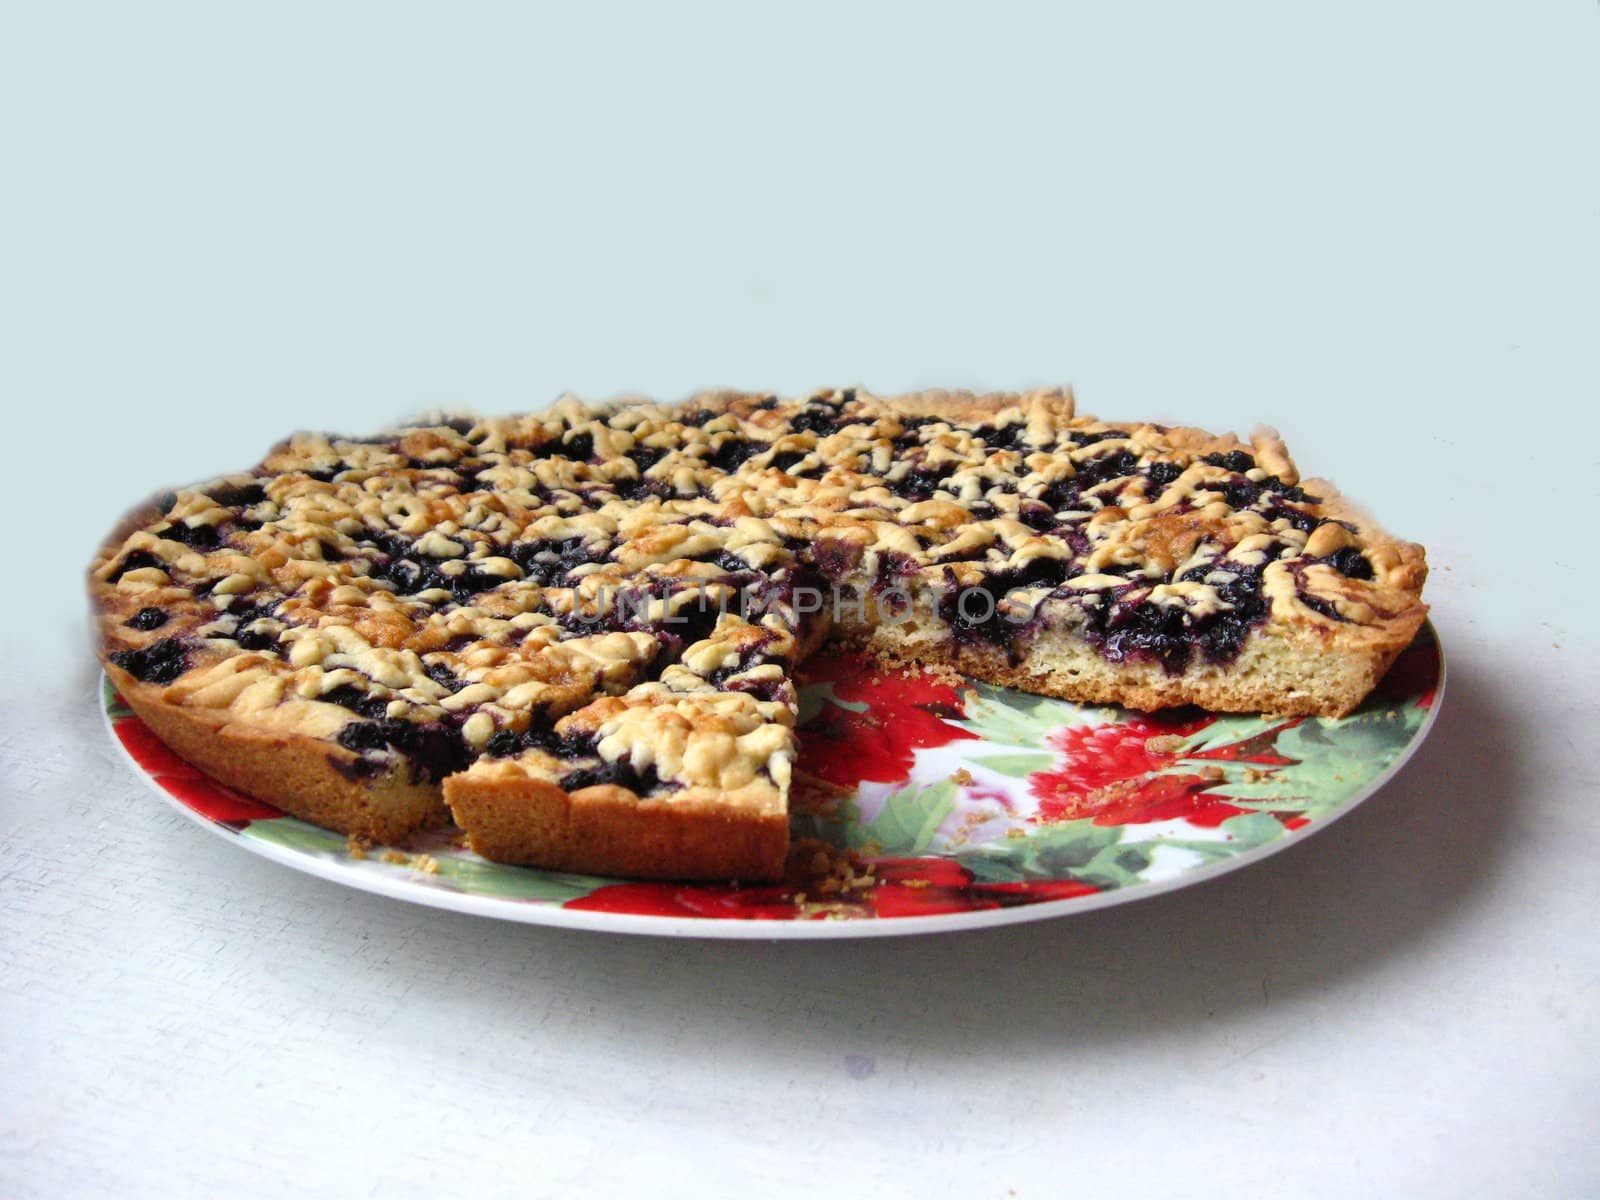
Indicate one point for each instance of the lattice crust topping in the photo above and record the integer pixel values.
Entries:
(617, 594)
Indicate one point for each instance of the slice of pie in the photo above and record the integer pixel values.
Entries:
(574, 632)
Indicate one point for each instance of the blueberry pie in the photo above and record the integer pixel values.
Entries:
(574, 633)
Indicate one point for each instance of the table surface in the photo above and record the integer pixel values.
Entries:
(1375, 229)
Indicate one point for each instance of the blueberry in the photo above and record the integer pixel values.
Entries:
(1002, 437)
(620, 773)
(819, 421)
(197, 537)
(1090, 439)
(1110, 466)
(547, 562)
(444, 676)
(733, 452)
(356, 700)
(502, 745)
(579, 447)
(920, 483)
(147, 619)
(1161, 474)
(1234, 460)
(237, 495)
(1351, 563)
(135, 560)
(255, 639)
(159, 663)
(377, 735)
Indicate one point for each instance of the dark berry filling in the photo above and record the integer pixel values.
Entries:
(1223, 634)
(242, 495)
(1318, 605)
(1145, 631)
(821, 415)
(1037, 515)
(836, 557)
(1091, 439)
(620, 773)
(696, 417)
(444, 676)
(147, 619)
(1303, 521)
(733, 452)
(579, 447)
(686, 624)
(1169, 635)
(435, 749)
(1002, 437)
(1351, 563)
(374, 735)
(256, 639)
(196, 537)
(1234, 460)
(920, 483)
(357, 701)
(645, 457)
(135, 560)
(974, 614)
(411, 571)
(1163, 473)
(911, 432)
(1108, 466)
(539, 735)
(892, 567)
(161, 662)
(547, 562)
(767, 690)
(750, 656)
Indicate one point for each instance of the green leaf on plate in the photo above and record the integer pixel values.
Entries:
(1348, 753)
(813, 696)
(478, 878)
(1228, 730)
(1249, 830)
(1015, 718)
(908, 820)
(1018, 766)
(296, 835)
(1059, 851)
(115, 709)
(470, 875)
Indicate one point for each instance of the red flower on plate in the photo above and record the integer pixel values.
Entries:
(1414, 673)
(884, 717)
(1113, 773)
(926, 887)
(183, 782)
(902, 887)
(690, 900)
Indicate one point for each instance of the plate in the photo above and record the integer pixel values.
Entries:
(925, 807)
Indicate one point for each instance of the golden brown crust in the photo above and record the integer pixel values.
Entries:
(326, 623)
(306, 777)
(608, 830)
(1288, 672)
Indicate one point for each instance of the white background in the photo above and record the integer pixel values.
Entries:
(1372, 224)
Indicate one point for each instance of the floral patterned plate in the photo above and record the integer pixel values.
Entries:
(932, 808)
